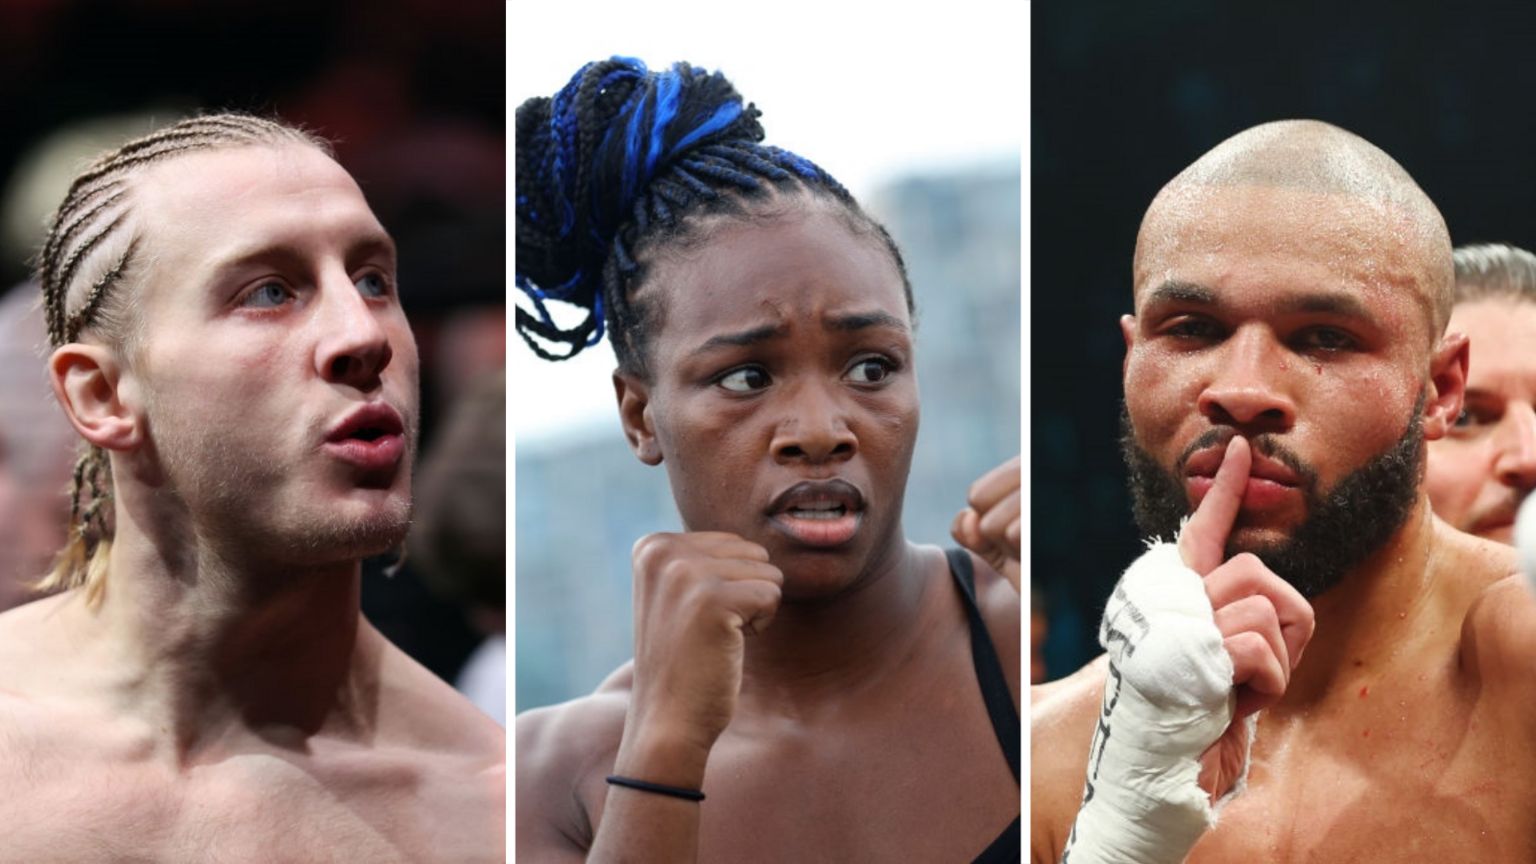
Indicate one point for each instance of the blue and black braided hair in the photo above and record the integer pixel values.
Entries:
(623, 159)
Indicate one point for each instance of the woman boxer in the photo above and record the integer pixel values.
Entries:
(837, 692)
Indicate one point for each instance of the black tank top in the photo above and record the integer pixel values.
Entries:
(1007, 848)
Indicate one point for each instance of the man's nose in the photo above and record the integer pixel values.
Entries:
(814, 428)
(353, 348)
(1247, 384)
(1516, 463)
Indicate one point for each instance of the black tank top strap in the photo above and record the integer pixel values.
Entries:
(989, 670)
(1008, 847)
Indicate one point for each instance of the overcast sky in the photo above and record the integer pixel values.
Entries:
(869, 94)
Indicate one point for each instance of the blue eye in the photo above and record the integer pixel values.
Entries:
(372, 285)
(268, 295)
(744, 380)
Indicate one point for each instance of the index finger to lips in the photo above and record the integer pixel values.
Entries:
(1203, 542)
(994, 485)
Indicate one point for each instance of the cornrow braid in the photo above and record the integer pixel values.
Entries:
(91, 247)
(623, 160)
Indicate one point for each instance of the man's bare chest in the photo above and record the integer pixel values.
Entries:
(246, 808)
(1435, 781)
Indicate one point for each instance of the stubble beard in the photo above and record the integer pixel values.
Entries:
(242, 501)
(1344, 525)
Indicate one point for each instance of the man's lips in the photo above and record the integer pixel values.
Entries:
(1205, 462)
(371, 437)
(1270, 484)
(819, 513)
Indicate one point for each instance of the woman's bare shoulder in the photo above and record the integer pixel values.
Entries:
(563, 753)
(595, 721)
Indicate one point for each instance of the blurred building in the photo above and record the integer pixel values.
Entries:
(583, 502)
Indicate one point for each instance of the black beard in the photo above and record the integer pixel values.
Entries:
(1343, 527)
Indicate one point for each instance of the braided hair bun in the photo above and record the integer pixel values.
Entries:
(616, 160)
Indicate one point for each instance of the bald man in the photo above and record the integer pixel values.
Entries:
(1486, 465)
(1346, 675)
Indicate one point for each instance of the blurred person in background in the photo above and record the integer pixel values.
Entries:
(458, 534)
(37, 451)
(790, 638)
(37, 446)
(246, 381)
(1486, 464)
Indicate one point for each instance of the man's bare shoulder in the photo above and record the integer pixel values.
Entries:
(33, 640)
(419, 710)
(1498, 634)
(1061, 717)
(42, 671)
(563, 753)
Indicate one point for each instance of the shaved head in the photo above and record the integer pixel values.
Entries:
(1392, 226)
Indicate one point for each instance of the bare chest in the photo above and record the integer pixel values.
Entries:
(1427, 777)
(914, 774)
(939, 798)
(247, 809)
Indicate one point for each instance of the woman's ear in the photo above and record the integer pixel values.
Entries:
(635, 414)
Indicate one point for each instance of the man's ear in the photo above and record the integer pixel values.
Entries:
(1128, 333)
(635, 414)
(89, 385)
(1447, 385)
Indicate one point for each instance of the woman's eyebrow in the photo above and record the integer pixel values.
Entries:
(754, 336)
(766, 332)
(862, 320)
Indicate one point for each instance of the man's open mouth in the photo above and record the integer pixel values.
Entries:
(371, 438)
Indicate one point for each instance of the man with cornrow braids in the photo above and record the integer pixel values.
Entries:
(228, 341)
(807, 684)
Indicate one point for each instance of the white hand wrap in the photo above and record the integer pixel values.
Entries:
(1168, 697)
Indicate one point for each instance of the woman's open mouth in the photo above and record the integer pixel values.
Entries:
(819, 513)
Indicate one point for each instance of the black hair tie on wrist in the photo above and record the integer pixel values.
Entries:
(657, 788)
